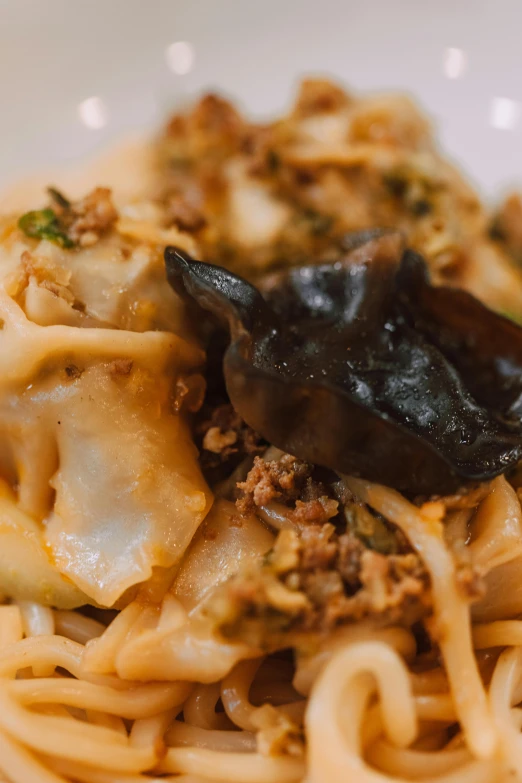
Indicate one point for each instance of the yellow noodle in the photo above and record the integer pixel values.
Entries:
(142, 701)
(75, 626)
(200, 708)
(235, 694)
(149, 732)
(101, 652)
(11, 629)
(308, 667)
(415, 763)
(87, 774)
(98, 718)
(338, 703)
(20, 765)
(78, 740)
(38, 621)
(233, 767)
(183, 735)
(505, 679)
(451, 612)
(502, 633)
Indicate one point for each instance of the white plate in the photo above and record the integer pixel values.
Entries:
(461, 60)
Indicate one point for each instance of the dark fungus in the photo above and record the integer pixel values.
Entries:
(366, 368)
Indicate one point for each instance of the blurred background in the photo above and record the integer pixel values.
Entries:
(77, 74)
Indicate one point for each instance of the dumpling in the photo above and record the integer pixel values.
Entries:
(98, 370)
(177, 639)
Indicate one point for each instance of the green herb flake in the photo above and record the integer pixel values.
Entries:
(43, 224)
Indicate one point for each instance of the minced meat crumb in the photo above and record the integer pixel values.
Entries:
(289, 481)
(84, 221)
(181, 213)
(316, 580)
(315, 511)
(273, 479)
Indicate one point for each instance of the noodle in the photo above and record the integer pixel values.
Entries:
(234, 694)
(200, 708)
(235, 767)
(337, 707)
(18, 764)
(452, 613)
(11, 629)
(77, 627)
(184, 735)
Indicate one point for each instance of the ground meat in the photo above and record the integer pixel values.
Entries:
(273, 479)
(318, 549)
(84, 221)
(316, 580)
(181, 213)
(213, 129)
(317, 96)
(314, 511)
(291, 482)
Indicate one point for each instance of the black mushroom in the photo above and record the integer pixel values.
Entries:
(364, 367)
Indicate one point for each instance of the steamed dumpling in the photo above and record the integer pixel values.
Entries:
(97, 372)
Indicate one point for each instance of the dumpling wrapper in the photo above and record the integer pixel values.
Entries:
(193, 650)
(129, 493)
